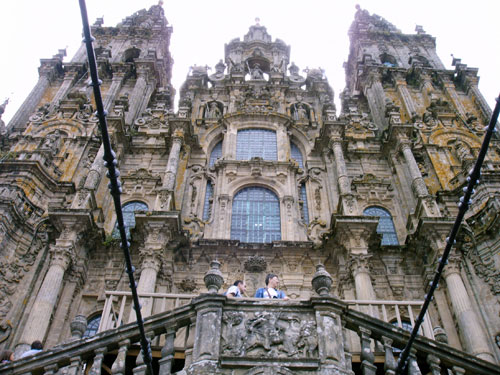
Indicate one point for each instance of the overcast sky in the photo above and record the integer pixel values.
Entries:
(316, 31)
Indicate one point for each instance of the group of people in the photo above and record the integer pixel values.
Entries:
(271, 290)
(7, 356)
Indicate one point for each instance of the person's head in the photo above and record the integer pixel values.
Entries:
(272, 280)
(37, 345)
(7, 356)
(241, 286)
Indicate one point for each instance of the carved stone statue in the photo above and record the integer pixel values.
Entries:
(212, 111)
(219, 71)
(300, 112)
(463, 151)
(294, 73)
(256, 72)
(51, 142)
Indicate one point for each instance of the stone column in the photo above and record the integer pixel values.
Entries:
(449, 88)
(40, 316)
(375, 96)
(69, 79)
(359, 264)
(405, 96)
(347, 200)
(164, 201)
(475, 339)
(114, 88)
(417, 181)
(137, 97)
(30, 104)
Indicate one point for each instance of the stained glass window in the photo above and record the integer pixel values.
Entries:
(385, 225)
(252, 143)
(296, 154)
(92, 326)
(303, 200)
(256, 216)
(215, 154)
(207, 208)
(129, 217)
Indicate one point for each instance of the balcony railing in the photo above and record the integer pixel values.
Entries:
(253, 336)
(118, 305)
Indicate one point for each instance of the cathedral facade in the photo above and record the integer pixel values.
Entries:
(256, 172)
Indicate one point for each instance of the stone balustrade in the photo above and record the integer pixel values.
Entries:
(216, 334)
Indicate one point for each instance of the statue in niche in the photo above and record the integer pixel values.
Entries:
(219, 71)
(300, 112)
(51, 142)
(463, 151)
(256, 72)
(212, 111)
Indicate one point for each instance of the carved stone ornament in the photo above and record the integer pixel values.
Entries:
(322, 281)
(213, 278)
(255, 264)
(188, 284)
(269, 334)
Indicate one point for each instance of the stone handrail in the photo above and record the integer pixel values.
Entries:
(249, 336)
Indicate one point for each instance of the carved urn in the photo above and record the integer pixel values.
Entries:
(322, 281)
(78, 327)
(213, 278)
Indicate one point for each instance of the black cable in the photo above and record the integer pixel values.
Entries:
(114, 184)
(464, 204)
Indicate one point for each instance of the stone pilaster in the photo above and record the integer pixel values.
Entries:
(164, 200)
(47, 72)
(69, 78)
(137, 97)
(347, 201)
(375, 96)
(473, 334)
(449, 88)
(116, 83)
(405, 96)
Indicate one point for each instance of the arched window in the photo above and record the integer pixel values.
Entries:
(296, 155)
(129, 210)
(303, 203)
(92, 326)
(252, 143)
(215, 154)
(207, 208)
(256, 216)
(385, 225)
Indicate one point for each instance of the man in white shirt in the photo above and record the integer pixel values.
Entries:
(36, 347)
(237, 289)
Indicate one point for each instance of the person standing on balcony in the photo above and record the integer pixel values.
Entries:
(36, 347)
(237, 289)
(271, 289)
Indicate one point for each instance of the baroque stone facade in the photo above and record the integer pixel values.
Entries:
(258, 170)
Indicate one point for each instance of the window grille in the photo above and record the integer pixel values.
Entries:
(303, 202)
(385, 225)
(296, 155)
(92, 326)
(207, 208)
(256, 216)
(129, 210)
(252, 143)
(215, 154)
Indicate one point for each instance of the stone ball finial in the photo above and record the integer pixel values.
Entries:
(322, 281)
(213, 278)
(78, 327)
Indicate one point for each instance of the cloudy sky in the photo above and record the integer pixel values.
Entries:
(316, 30)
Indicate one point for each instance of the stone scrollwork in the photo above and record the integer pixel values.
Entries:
(255, 264)
(268, 334)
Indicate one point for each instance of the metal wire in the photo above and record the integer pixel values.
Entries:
(114, 184)
(472, 180)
